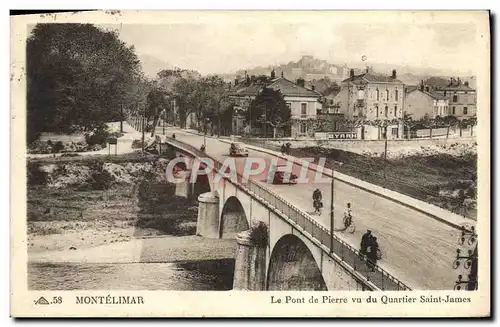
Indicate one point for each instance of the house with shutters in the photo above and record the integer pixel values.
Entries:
(304, 103)
(373, 97)
(461, 97)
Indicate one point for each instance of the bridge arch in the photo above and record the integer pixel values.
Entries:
(233, 219)
(292, 267)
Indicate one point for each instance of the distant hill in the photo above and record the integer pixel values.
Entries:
(307, 67)
(151, 65)
(311, 68)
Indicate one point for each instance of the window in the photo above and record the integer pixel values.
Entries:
(303, 109)
(395, 111)
(396, 95)
(303, 128)
(465, 110)
(453, 110)
(289, 105)
(387, 94)
(376, 110)
(386, 111)
(378, 94)
(455, 98)
(444, 93)
(394, 131)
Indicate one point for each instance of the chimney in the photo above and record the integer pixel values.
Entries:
(351, 74)
(422, 85)
(235, 82)
(451, 81)
(282, 74)
(301, 82)
(367, 69)
(273, 74)
(459, 81)
(313, 87)
(394, 74)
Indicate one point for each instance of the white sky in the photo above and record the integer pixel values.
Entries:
(221, 48)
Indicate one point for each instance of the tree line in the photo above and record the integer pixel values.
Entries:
(80, 76)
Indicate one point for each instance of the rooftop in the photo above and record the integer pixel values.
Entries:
(286, 87)
(371, 77)
(432, 94)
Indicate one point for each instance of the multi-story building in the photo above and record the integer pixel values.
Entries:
(461, 97)
(303, 102)
(421, 101)
(373, 97)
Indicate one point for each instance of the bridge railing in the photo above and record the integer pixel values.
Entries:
(351, 256)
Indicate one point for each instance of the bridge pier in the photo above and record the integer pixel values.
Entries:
(208, 215)
(250, 264)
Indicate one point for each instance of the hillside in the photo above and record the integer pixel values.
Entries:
(311, 68)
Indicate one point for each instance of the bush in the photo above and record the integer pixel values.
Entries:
(40, 147)
(258, 234)
(58, 147)
(98, 137)
(35, 175)
(137, 144)
(100, 179)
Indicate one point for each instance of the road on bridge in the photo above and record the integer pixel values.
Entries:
(417, 249)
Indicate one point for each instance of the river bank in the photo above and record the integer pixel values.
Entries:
(114, 222)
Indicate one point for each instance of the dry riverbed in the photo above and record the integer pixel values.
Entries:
(78, 205)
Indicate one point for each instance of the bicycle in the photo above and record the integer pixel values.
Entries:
(317, 207)
(349, 224)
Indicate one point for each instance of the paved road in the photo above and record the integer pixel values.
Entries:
(416, 248)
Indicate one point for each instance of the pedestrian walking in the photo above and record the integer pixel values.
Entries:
(372, 254)
(366, 241)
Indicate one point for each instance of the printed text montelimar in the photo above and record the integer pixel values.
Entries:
(109, 299)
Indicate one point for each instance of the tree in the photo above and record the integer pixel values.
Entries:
(409, 123)
(429, 123)
(157, 101)
(269, 108)
(78, 78)
(449, 121)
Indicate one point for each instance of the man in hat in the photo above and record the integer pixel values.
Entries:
(366, 241)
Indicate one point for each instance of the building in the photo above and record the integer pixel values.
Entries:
(373, 97)
(421, 101)
(461, 97)
(303, 102)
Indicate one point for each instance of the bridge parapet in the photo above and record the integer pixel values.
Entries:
(335, 248)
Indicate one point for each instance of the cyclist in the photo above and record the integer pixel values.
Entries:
(317, 197)
(348, 216)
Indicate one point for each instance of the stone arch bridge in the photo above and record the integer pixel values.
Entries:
(298, 254)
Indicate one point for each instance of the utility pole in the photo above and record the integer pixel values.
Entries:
(332, 215)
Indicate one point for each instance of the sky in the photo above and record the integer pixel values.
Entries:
(224, 48)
